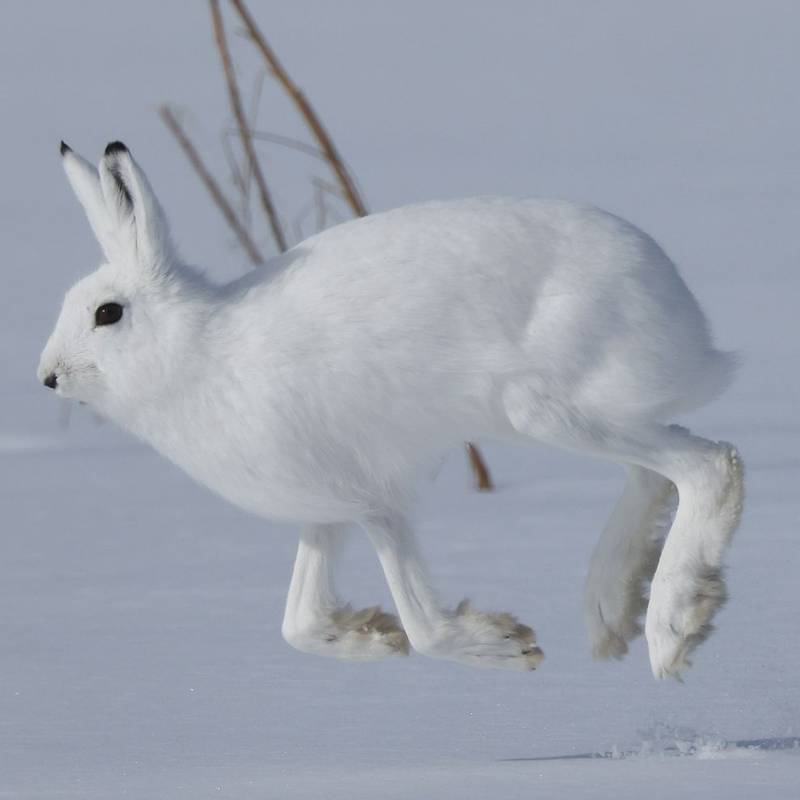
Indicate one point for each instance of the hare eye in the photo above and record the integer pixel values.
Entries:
(108, 314)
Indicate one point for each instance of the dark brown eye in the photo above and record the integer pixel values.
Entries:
(108, 314)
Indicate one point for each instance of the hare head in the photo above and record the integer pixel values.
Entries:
(115, 339)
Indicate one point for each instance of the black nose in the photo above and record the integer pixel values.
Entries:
(51, 381)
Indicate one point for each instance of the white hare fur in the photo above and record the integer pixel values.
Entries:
(316, 388)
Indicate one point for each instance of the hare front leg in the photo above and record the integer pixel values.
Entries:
(469, 637)
(316, 621)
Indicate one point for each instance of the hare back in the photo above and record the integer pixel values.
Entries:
(447, 300)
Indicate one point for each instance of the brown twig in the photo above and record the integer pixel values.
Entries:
(213, 189)
(244, 128)
(328, 188)
(349, 190)
(319, 207)
(326, 145)
(240, 181)
(483, 480)
(327, 152)
(283, 141)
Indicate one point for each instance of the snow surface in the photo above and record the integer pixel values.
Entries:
(140, 653)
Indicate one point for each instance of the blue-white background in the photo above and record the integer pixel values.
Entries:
(140, 652)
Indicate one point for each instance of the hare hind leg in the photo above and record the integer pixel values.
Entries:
(688, 587)
(316, 621)
(624, 561)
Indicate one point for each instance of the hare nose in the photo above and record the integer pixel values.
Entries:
(51, 381)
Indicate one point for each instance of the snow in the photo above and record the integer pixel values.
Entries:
(139, 615)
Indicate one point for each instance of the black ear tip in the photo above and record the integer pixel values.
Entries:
(113, 148)
(65, 148)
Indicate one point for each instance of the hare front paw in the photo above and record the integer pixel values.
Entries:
(366, 635)
(482, 639)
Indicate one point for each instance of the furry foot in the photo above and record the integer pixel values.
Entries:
(366, 635)
(624, 561)
(685, 597)
(614, 607)
(675, 627)
(485, 640)
(613, 622)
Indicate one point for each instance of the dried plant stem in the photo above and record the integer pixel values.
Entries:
(327, 151)
(213, 188)
(349, 189)
(285, 141)
(483, 480)
(331, 155)
(244, 127)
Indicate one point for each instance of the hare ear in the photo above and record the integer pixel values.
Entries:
(85, 182)
(136, 215)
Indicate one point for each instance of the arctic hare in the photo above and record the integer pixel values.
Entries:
(315, 389)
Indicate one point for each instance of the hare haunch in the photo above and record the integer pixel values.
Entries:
(316, 388)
